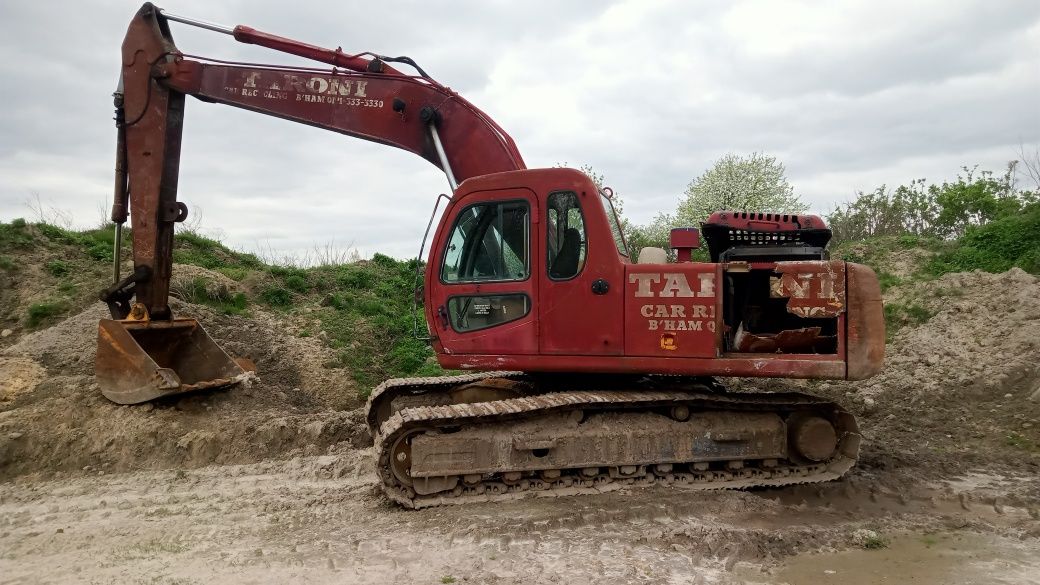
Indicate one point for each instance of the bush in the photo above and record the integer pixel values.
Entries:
(277, 297)
(297, 283)
(1013, 240)
(40, 313)
(354, 277)
(939, 211)
(57, 267)
(14, 234)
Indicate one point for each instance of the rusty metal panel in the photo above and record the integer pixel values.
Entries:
(728, 364)
(803, 340)
(154, 118)
(614, 439)
(138, 361)
(865, 323)
(815, 289)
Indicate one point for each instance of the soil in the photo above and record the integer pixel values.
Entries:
(275, 481)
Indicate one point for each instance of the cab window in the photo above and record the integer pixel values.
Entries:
(489, 242)
(472, 313)
(565, 227)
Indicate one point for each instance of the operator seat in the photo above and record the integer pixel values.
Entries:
(565, 265)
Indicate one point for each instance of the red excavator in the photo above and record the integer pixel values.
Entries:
(594, 370)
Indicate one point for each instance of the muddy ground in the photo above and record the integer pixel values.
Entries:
(274, 482)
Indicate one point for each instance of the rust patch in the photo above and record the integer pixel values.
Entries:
(815, 289)
(803, 340)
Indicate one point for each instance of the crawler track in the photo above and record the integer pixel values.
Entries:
(395, 428)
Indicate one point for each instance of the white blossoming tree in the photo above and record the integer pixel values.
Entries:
(739, 183)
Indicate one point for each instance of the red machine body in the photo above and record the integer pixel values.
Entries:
(528, 269)
(673, 317)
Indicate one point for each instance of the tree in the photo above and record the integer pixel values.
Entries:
(739, 183)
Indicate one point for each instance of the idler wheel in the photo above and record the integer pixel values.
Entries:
(812, 437)
(401, 456)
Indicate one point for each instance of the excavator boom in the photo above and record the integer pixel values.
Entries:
(359, 96)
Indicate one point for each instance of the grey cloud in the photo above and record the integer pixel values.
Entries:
(648, 93)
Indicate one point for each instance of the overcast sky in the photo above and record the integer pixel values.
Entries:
(849, 95)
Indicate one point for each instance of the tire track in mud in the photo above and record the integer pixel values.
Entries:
(323, 519)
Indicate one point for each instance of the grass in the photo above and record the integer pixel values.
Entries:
(362, 309)
(1018, 441)
(202, 291)
(58, 267)
(875, 542)
(447, 579)
(192, 248)
(898, 315)
(45, 313)
(16, 234)
(367, 312)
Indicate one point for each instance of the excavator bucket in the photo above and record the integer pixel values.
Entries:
(138, 361)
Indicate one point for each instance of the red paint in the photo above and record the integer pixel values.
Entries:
(612, 316)
(684, 241)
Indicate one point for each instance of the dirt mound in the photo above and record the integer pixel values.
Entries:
(53, 417)
(983, 337)
(956, 390)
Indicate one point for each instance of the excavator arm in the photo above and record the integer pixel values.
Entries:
(359, 95)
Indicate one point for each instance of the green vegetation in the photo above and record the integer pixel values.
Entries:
(875, 542)
(981, 221)
(367, 313)
(277, 297)
(1019, 442)
(364, 310)
(447, 579)
(897, 315)
(58, 267)
(15, 234)
(1008, 241)
(201, 290)
(95, 244)
(45, 313)
(192, 248)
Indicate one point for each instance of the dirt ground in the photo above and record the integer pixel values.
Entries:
(275, 482)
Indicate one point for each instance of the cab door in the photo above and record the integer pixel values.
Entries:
(581, 286)
(483, 301)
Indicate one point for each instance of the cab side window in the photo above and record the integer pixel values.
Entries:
(489, 242)
(565, 229)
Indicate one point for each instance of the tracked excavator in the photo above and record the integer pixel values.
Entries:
(591, 370)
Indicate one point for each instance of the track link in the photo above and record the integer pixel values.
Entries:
(693, 476)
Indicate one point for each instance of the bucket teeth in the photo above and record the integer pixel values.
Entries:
(138, 361)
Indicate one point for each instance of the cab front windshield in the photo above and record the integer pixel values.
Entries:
(615, 225)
